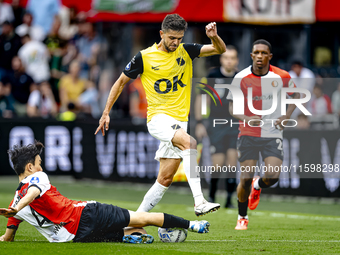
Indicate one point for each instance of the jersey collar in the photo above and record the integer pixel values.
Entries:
(251, 69)
(20, 185)
(156, 47)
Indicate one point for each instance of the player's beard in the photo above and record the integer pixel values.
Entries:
(168, 48)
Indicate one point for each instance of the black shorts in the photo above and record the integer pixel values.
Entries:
(102, 223)
(222, 140)
(249, 147)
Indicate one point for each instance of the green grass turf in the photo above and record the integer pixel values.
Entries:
(274, 228)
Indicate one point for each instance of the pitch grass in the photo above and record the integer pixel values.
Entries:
(274, 228)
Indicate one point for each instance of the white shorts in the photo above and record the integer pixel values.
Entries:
(163, 127)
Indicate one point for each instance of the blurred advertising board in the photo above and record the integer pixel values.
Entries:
(126, 153)
(239, 11)
(123, 6)
(269, 11)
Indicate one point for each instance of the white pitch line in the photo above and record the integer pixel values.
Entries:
(288, 241)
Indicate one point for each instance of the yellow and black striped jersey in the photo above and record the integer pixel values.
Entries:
(166, 78)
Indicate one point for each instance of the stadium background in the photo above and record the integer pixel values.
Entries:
(303, 30)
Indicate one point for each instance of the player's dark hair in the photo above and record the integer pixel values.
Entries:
(22, 155)
(297, 62)
(26, 36)
(174, 22)
(231, 47)
(262, 41)
(316, 86)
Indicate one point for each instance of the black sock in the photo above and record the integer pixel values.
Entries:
(172, 221)
(213, 188)
(242, 208)
(262, 184)
(228, 202)
(230, 185)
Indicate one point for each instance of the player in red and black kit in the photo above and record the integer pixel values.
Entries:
(80, 221)
(264, 133)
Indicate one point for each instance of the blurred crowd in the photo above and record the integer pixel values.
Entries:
(51, 66)
(50, 62)
(324, 104)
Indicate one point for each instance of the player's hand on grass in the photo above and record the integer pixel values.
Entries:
(8, 212)
(104, 122)
(211, 29)
(2, 238)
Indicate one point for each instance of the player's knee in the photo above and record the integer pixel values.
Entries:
(189, 143)
(193, 143)
(246, 182)
(272, 177)
(165, 180)
(272, 180)
(184, 141)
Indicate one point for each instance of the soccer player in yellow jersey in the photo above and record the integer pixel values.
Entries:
(165, 70)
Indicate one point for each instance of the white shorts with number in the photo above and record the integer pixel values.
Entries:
(163, 127)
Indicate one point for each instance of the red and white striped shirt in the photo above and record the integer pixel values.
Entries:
(54, 215)
(263, 88)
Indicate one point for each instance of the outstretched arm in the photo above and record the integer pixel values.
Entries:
(217, 45)
(32, 193)
(116, 90)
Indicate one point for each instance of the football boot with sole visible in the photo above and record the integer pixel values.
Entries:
(200, 227)
(206, 207)
(145, 238)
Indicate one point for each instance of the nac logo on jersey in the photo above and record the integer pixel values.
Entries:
(34, 180)
(180, 61)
